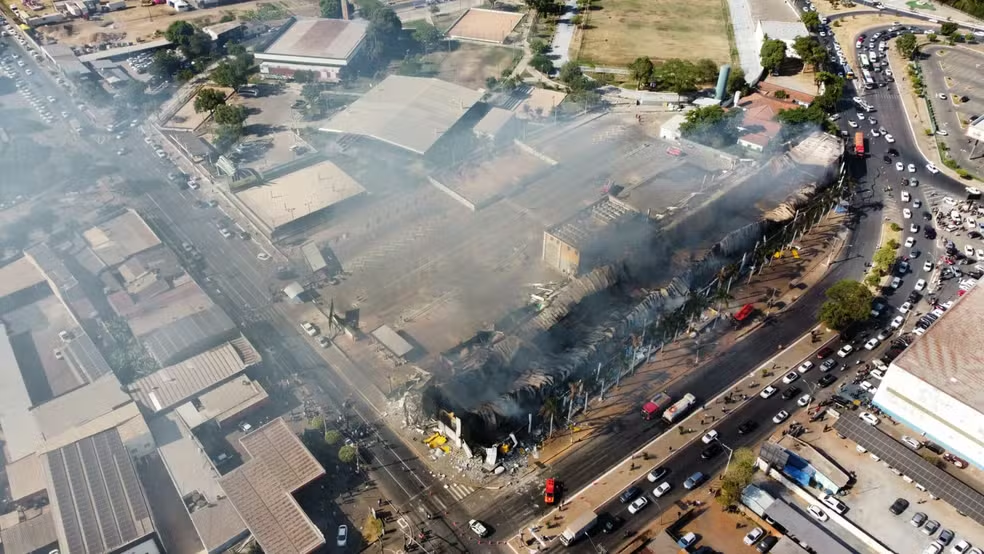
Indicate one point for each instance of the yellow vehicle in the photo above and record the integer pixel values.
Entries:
(146, 2)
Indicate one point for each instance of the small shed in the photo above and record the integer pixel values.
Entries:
(671, 129)
(392, 341)
(294, 291)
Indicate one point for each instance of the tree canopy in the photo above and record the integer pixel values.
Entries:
(712, 125)
(811, 51)
(193, 42)
(642, 70)
(811, 20)
(907, 45)
(332, 9)
(948, 28)
(772, 54)
(230, 115)
(736, 81)
(847, 302)
(427, 35)
(208, 99)
(234, 71)
(165, 64)
(347, 454)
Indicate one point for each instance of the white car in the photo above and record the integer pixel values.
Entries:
(899, 166)
(871, 344)
(874, 133)
(961, 547)
(804, 400)
(905, 307)
(818, 513)
(790, 377)
(906, 197)
(869, 418)
(710, 437)
(896, 282)
(907, 213)
(889, 138)
(917, 203)
(968, 250)
(872, 121)
(941, 96)
(833, 503)
(263, 256)
(225, 233)
(897, 322)
(911, 168)
(877, 374)
(928, 266)
(780, 417)
(845, 351)
(932, 168)
(910, 242)
(805, 366)
(481, 530)
(753, 536)
(309, 328)
(341, 539)
(638, 504)
(852, 123)
(920, 284)
(662, 489)
(767, 392)
(913, 227)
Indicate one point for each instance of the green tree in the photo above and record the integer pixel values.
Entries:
(706, 71)
(542, 63)
(572, 76)
(948, 28)
(736, 81)
(347, 454)
(311, 93)
(847, 302)
(164, 64)
(333, 437)
(642, 70)
(179, 31)
(208, 99)
(811, 20)
(303, 76)
(538, 46)
(675, 75)
(737, 477)
(332, 9)
(372, 529)
(383, 33)
(427, 36)
(772, 54)
(712, 125)
(230, 74)
(883, 258)
(227, 115)
(542, 6)
(907, 45)
(193, 43)
(810, 51)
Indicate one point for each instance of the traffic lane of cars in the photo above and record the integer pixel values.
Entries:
(685, 462)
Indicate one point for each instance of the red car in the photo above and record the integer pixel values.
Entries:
(550, 491)
(824, 352)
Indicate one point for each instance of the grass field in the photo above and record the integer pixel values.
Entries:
(470, 64)
(619, 31)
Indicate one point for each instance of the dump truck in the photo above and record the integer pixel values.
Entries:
(681, 407)
(656, 406)
(578, 528)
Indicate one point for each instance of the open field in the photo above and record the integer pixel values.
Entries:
(619, 31)
(470, 64)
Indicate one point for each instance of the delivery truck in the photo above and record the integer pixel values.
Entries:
(681, 407)
(656, 406)
(578, 528)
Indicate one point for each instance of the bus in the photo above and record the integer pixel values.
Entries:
(859, 144)
(864, 61)
(869, 82)
(848, 72)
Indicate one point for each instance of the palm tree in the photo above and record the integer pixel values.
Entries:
(722, 296)
(549, 410)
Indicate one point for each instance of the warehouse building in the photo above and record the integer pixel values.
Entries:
(322, 46)
(937, 385)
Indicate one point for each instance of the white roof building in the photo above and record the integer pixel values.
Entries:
(322, 46)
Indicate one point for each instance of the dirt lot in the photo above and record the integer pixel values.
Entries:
(622, 30)
(140, 23)
(470, 64)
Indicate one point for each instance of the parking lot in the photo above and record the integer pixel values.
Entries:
(954, 79)
(877, 487)
(269, 135)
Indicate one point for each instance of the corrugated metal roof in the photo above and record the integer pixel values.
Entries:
(19, 275)
(189, 334)
(942, 357)
(172, 385)
(80, 406)
(283, 453)
(805, 529)
(20, 429)
(392, 340)
(119, 238)
(31, 535)
(334, 39)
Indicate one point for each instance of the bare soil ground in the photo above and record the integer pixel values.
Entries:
(618, 31)
(470, 64)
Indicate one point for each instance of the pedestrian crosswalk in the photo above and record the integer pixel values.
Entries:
(458, 492)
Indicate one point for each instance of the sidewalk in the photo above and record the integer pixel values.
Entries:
(679, 358)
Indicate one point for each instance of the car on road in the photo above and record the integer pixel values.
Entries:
(747, 427)
(783, 415)
(662, 489)
(897, 322)
(889, 138)
(905, 307)
(897, 281)
(628, 494)
(245, 427)
(478, 527)
(914, 228)
(910, 242)
(917, 203)
(263, 256)
(790, 392)
(869, 418)
(341, 538)
(309, 328)
(834, 504)
(658, 473)
(918, 519)
(638, 504)
(687, 540)
(225, 233)
(550, 491)
(906, 197)
(899, 166)
(900, 505)
(753, 536)
(928, 266)
(845, 351)
(805, 366)
(827, 380)
(766, 544)
(907, 213)
(823, 353)
(941, 96)
(804, 400)
(920, 284)
(711, 451)
(911, 168)
(818, 513)
(694, 481)
(932, 167)
(852, 123)
(323, 341)
(768, 391)
(710, 436)
(790, 377)
(871, 344)
(930, 527)
(827, 365)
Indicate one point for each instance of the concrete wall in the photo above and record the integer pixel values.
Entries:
(560, 255)
(937, 415)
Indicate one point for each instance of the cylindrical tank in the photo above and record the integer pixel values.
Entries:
(722, 85)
